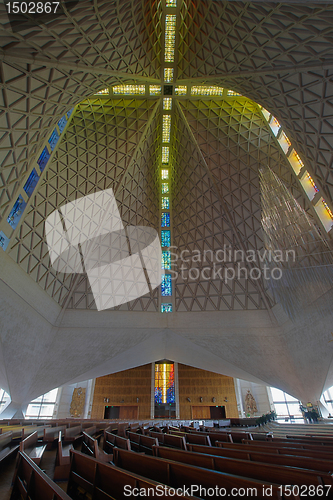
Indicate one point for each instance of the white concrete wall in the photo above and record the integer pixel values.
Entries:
(261, 394)
(64, 399)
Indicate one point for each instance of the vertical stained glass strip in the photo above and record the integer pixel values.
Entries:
(166, 259)
(166, 238)
(53, 139)
(165, 187)
(165, 203)
(171, 3)
(170, 38)
(164, 383)
(69, 112)
(167, 103)
(31, 183)
(43, 159)
(16, 212)
(62, 123)
(165, 219)
(165, 174)
(166, 129)
(166, 308)
(165, 154)
(166, 287)
(168, 75)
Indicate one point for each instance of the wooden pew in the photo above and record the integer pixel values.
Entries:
(157, 435)
(290, 460)
(287, 443)
(6, 446)
(112, 441)
(197, 438)
(51, 434)
(174, 441)
(279, 474)
(282, 450)
(97, 480)
(72, 434)
(62, 466)
(142, 443)
(178, 475)
(90, 447)
(30, 482)
(30, 447)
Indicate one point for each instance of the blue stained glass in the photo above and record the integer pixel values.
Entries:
(53, 139)
(3, 241)
(31, 183)
(167, 308)
(43, 159)
(165, 219)
(166, 288)
(165, 203)
(16, 212)
(166, 238)
(166, 259)
(62, 123)
(69, 112)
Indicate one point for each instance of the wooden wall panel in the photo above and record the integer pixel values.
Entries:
(126, 385)
(195, 383)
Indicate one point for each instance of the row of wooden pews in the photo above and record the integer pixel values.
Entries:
(142, 455)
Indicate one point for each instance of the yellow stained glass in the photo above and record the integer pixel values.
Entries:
(102, 92)
(168, 75)
(165, 174)
(167, 103)
(232, 93)
(170, 38)
(181, 90)
(166, 128)
(165, 154)
(129, 89)
(206, 90)
(155, 89)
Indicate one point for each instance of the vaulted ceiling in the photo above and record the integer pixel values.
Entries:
(277, 55)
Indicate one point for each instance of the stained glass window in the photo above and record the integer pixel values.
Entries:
(69, 112)
(166, 308)
(170, 37)
(166, 128)
(165, 154)
(166, 285)
(165, 219)
(43, 159)
(164, 383)
(62, 123)
(165, 174)
(166, 259)
(53, 139)
(167, 103)
(155, 89)
(16, 212)
(166, 238)
(165, 203)
(3, 241)
(165, 187)
(31, 183)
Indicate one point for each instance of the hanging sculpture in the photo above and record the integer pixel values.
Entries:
(305, 259)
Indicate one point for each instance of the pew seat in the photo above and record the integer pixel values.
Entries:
(32, 448)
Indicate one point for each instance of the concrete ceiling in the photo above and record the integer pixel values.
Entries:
(276, 54)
